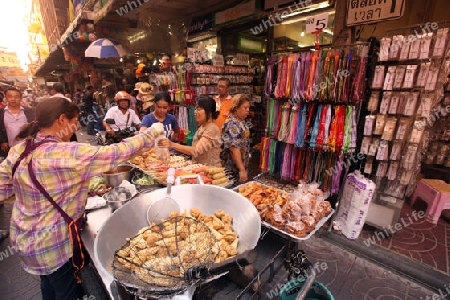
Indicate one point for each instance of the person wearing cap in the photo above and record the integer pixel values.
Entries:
(145, 97)
(223, 101)
(124, 117)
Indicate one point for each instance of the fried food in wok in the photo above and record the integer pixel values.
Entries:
(160, 254)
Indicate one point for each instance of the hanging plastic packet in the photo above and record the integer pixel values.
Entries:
(432, 79)
(405, 179)
(425, 45)
(410, 157)
(383, 151)
(404, 53)
(414, 50)
(379, 124)
(369, 125)
(417, 132)
(368, 166)
(385, 45)
(423, 74)
(396, 47)
(441, 41)
(395, 101)
(425, 106)
(385, 102)
(389, 128)
(373, 101)
(399, 77)
(410, 74)
(411, 103)
(365, 145)
(373, 148)
(378, 78)
(392, 171)
(162, 154)
(390, 78)
(396, 150)
(382, 169)
(402, 129)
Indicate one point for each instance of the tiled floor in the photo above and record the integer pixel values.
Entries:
(421, 241)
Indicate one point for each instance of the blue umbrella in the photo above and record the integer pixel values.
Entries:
(103, 48)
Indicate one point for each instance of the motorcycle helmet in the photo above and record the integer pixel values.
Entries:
(122, 95)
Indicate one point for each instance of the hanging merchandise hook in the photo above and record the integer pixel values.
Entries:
(316, 42)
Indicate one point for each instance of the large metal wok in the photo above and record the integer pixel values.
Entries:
(130, 218)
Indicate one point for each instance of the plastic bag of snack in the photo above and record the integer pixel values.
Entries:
(296, 228)
(163, 154)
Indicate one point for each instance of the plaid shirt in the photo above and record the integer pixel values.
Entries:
(38, 232)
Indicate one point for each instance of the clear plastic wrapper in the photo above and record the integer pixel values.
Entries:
(389, 129)
(162, 154)
(373, 101)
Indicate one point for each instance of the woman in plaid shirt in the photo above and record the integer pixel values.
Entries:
(39, 229)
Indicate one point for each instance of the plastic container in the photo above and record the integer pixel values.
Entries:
(317, 291)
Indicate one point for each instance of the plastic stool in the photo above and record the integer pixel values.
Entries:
(436, 193)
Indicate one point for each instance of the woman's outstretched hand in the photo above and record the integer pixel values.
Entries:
(164, 143)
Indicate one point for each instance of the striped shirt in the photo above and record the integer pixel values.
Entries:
(38, 232)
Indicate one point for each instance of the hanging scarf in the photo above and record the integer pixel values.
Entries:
(293, 125)
(283, 133)
(340, 128)
(271, 110)
(290, 65)
(301, 125)
(286, 168)
(295, 153)
(321, 134)
(277, 92)
(295, 91)
(347, 128)
(315, 128)
(279, 118)
(268, 85)
(359, 82)
(336, 177)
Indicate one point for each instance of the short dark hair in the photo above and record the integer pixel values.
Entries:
(209, 105)
(224, 79)
(13, 89)
(162, 96)
(89, 87)
(58, 87)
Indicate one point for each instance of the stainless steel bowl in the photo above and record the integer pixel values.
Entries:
(142, 187)
(115, 177)
(115, 204)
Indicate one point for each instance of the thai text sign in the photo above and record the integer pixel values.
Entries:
(371, 11)
(317, 23)
(239, 11)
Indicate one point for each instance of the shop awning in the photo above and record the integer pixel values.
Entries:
(53, 62)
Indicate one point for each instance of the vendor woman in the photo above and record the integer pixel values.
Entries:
(235, 134)
(207, 141)
(50, 179)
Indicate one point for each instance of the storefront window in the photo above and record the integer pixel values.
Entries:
(291, 34)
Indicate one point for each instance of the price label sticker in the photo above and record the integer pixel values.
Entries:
(241, 59)
(194, 55)
(317, 23)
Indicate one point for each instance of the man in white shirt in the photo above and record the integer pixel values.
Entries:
(57, 91)
(124, 117)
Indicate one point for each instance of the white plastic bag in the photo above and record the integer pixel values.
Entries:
(354, 205)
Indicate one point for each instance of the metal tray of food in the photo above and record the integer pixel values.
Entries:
(282, 232)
